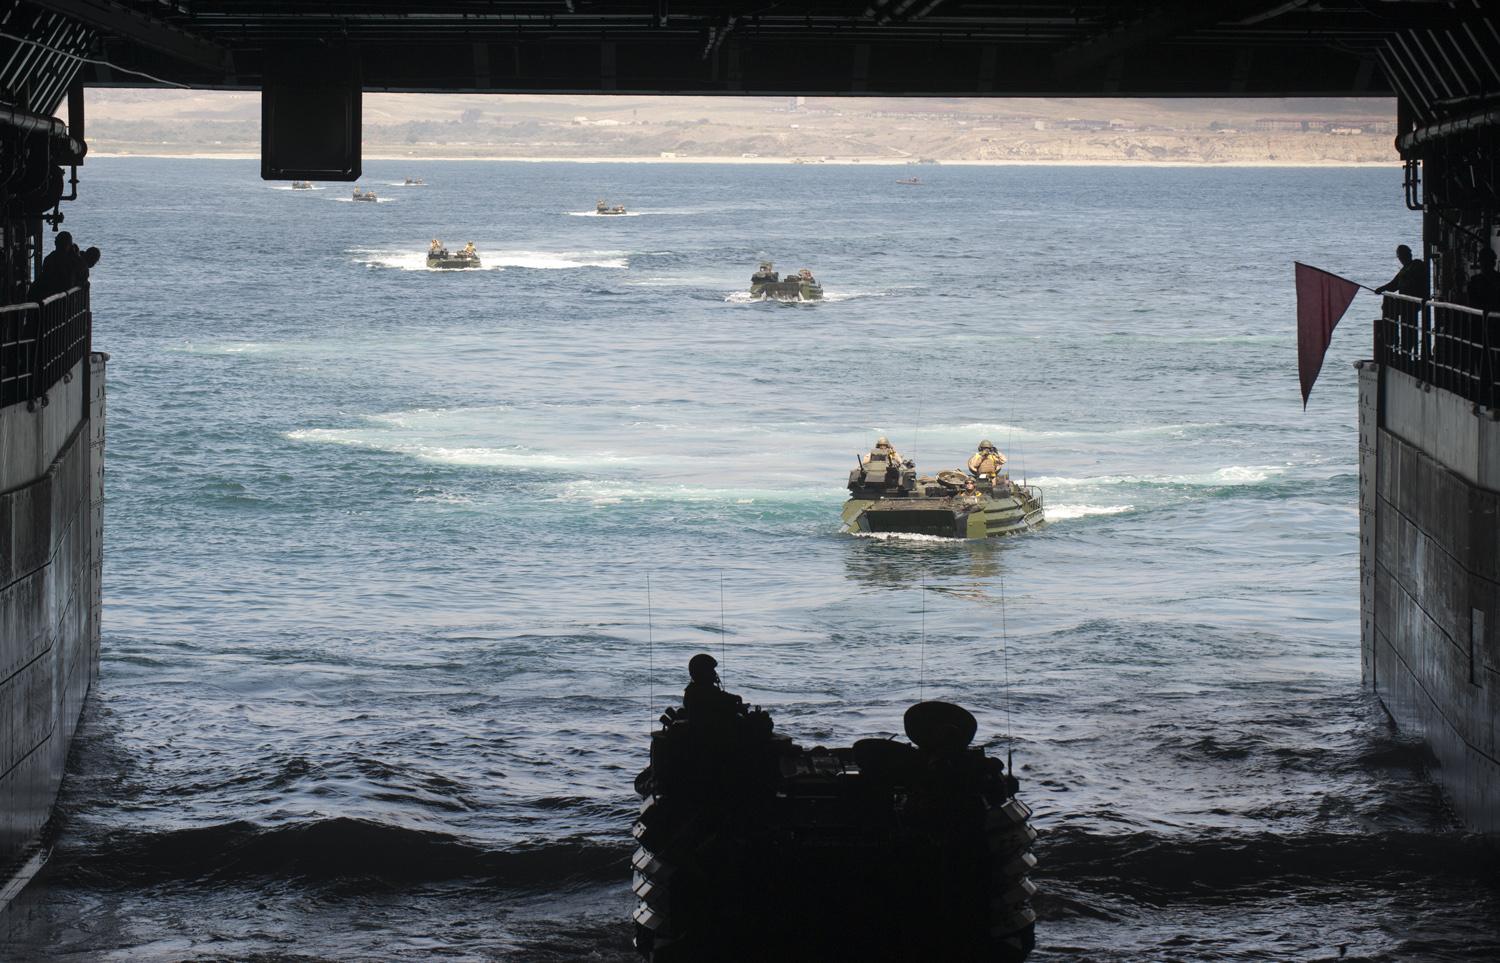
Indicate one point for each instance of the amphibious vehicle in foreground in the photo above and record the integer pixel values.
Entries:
(767, 284)
(887, 495)
(754, 848)
(439, 256)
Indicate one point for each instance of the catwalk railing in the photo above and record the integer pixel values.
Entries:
(40, 343)
(1451, 346)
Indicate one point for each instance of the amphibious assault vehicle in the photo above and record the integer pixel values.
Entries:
(887, 495)
(360, 195)
(754, 848)
(802, 286)
(603, 208)
(441, 257)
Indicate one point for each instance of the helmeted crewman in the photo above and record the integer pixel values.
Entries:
(703, 698)
(987, 461)
(436, 247)
(883, 450)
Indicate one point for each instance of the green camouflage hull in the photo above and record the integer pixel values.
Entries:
(452, 262)
(793, 290)
(954, 516)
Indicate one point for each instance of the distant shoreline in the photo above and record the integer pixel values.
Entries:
(862, 162)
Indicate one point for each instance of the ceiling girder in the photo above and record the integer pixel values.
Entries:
(150, 32)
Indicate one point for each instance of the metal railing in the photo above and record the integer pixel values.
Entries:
(40, 343)
(1451, 346)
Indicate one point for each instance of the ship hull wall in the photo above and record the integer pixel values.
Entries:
(1430, 579)
(51, 518)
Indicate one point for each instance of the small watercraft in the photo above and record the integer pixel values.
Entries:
(439, 256)
(909, 181)
(302, 185)
(767, 284)
(414, 182)
(603, 208)
(360, 195)
(887, 495)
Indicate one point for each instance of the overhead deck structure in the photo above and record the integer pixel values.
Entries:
(931, 47)
(1430, 448)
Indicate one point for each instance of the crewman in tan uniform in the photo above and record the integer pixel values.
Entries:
(985, 464)
(884, 449)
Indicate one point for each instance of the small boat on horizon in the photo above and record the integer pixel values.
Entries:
(302, 185)
(360, 195)
(909, 181)
(414, 182)
(604, 208)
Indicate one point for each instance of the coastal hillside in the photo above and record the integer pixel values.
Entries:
(888, 130)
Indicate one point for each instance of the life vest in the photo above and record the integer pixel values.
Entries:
(986, 462)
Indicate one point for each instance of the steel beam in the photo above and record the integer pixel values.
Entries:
(1170, 22)
(154, 34)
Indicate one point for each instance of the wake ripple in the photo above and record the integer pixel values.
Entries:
(334, 849)
(1166, 867)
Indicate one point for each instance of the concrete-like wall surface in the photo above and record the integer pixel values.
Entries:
(1431, 648)
(1369, 427)
(50, 511)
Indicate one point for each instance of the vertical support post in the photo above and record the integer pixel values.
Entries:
(75, 113)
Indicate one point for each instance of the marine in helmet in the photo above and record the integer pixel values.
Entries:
(704, 699)
(985, 464)
(883, 451)
(436, 247)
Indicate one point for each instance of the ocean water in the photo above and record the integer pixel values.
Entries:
(378, 669)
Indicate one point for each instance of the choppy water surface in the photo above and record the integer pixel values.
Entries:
(376, 673)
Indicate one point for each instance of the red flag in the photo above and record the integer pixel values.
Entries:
(1322, 299)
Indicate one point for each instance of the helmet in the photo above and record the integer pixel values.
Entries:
(882, 442)
(701, 668)
(986, 443)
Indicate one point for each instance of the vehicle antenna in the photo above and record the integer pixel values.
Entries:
(916, 430)
(1020, 452)
(650, 661)
(922, 683)
(1010, 740)
(1010, 440)
(723, 648)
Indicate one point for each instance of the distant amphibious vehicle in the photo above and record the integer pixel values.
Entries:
(765, 283)
(360, 195)
(887, 495)
(302, 185)
(603, 208)
(754, 848)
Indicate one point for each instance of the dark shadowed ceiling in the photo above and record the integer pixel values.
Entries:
(1429, 52)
